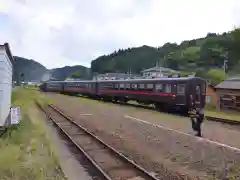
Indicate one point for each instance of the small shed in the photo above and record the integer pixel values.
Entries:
(228, 94)
(6, 75)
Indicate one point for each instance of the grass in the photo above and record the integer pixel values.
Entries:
(211, 110)
(26, 150)
(223, 115)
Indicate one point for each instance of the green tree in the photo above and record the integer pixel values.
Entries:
(236, 43)
(215, 76)
(76, 75)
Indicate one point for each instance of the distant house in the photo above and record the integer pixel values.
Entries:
(228, 94)
(74, 79)
(157, 71)
(116, 76)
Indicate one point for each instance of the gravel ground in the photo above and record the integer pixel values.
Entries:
(154, 148)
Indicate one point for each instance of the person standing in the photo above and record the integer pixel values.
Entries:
(197, 121)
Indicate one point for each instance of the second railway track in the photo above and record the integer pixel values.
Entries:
(110, 163)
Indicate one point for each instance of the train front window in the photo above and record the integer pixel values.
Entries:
(198, 93)
(181, 88)
(204, 88)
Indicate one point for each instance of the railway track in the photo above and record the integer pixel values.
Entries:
(109, 162)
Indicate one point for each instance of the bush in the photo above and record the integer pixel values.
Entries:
(211, 107)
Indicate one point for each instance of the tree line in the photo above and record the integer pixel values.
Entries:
(204, 56)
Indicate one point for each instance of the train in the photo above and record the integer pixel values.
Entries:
(164, 93)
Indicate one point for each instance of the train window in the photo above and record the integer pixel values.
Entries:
(128, 86)
(109, 86)
(149, 86)
(134, 86)
(159, 87)
(141, 86)
(181, 88)
(168, 88)
(116, 86)
(121, 86)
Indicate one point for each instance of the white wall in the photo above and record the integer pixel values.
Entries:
(5, 86)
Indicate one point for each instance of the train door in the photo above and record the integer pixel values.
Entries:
(198, 96)
(97, 88)
(200, 90)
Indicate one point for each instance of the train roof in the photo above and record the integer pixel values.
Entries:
(134, 80)
(157, 79)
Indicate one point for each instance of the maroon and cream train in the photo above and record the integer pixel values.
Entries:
(162, 92)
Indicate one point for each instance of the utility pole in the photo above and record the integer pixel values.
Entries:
(225, 64)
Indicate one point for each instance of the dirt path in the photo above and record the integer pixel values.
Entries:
(153, 147)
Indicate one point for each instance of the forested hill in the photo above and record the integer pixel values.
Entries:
(193, 55)
(34, 71)
(67, 71)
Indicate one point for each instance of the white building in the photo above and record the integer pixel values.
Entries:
(157, 71)
(116, 76)
(6, 73)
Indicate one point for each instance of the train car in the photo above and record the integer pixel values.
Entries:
(87, 88)
(42, 87)
(162, 92)
(54, 86)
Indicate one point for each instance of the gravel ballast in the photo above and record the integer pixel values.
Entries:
(158, 150)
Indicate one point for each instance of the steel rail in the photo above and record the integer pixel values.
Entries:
(136, 166)
(75, 144)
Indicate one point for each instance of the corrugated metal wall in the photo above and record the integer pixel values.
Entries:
(5, 86)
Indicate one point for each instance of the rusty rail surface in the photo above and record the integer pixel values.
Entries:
(222, 120)
(114, 166)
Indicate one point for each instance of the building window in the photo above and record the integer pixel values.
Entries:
(181, 88)
(168, 88)
(208, 99)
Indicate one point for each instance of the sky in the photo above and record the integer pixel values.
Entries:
(57, 33)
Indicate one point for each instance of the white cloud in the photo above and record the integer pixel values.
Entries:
(69, 32)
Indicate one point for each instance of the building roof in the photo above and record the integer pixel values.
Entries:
(6, 47)
(156, 68)
(229, 84)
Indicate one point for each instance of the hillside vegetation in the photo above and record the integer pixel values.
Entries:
(198, 55)
(68, 71)
(34, 71)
